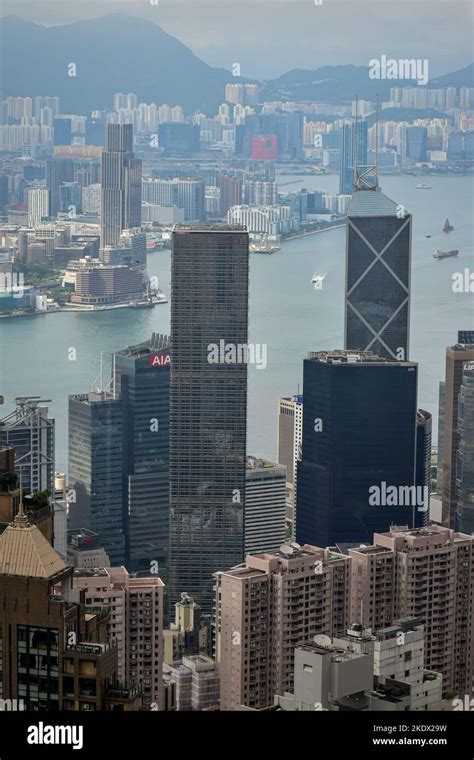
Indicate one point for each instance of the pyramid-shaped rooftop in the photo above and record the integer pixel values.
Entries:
(372, 203)
(24, 551)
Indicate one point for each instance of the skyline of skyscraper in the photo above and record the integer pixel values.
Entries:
(465, 455)
(359, 439)
(208, 420)
(456, 357)
(142, 374)
(354, 145)
(211, 244)
(121, 184)
(96, 446)
(378, 274)
(290, 430)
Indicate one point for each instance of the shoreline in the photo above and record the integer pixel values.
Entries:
(312, 232)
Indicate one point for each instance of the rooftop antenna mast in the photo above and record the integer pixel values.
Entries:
(98, 385)
(377, 142)
(355, 137)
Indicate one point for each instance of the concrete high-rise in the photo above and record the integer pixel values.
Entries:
(377, 290)
(135, 606)
(423, 461)
(362, 671)
(264, 506)
(465, 456)
(38, 206)
(290, 433)
(456, 357)
(439, 464)
(54, 656)
(230, 193)
(268, 606)
(209, 309)
(357, 473)
(121, 184)
(427, 573)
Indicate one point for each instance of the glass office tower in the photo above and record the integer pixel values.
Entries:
(142, 374)
(209, 304)
(378, 260)
(359, 433)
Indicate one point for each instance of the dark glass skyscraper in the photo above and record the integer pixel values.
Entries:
(354, 143)
(95, 469)
(209, 304)
(359, 440)
(378, 259)
(416, 141)
(143, 384)
(121, 184)
(58, 170)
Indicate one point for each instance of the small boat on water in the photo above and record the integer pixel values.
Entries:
(445, 254)
(447, 226)
(317, 281)
(423, 187)
(263, 248)
(428, 236)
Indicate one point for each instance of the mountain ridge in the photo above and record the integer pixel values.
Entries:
(122, 53)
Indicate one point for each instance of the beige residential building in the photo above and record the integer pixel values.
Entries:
(268, 606)
(428, 574)
(135, 605)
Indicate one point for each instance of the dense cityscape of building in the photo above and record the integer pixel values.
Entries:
(173, 567)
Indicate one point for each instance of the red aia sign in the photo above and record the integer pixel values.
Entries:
(159, 360)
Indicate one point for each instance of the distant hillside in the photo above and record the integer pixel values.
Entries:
(119, 53)
(404, 114)
(115, 53)
(340, 83)
(462, 78)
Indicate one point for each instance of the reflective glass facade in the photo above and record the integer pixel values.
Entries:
(378, 255)
(359, 430)
(209, 303)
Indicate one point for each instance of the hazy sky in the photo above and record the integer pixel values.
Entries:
(269, 37)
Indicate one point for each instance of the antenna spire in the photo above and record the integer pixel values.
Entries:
(377, 143)
(355, 137)
(21, 519)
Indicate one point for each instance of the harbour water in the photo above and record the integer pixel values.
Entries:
(287, 313)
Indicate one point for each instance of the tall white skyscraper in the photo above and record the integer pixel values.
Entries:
(38, 205)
